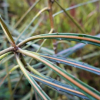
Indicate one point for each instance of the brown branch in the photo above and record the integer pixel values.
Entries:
(50, 13)
(50, 3)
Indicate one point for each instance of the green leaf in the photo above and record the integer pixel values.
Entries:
(72, 19)
(34, 71)
(26, 13)
(6, 31)
(14, 68)
(87, 39)
(72, 63)
(34, 18)
(31, 80)
(75, 6)
(60, 87)
(84, 88)
(4, 55)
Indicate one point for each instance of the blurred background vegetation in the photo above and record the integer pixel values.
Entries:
(88, 16)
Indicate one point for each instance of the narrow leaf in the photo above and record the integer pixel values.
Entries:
(14, 68)
(35, 71)
(71, 18)
(26, 13)
(75, 6)
(60, 87)
(73, 63)
(4, 55)
(6, 31)
(34, 18)
(87, 39)
(84, 88)
(32, 81)
(67, 52)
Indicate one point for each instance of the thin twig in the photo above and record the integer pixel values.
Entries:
(44, 9)
(17, 84)
(9, 81)
(26, 13)
(50, 3)
(72, 19)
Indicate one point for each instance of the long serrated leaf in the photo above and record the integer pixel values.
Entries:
(38, 89)
(87, 39)
(72, 63)
(69, 51)
(84, 88)
(60, 87)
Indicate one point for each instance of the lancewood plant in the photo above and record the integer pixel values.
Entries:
(19, 50)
